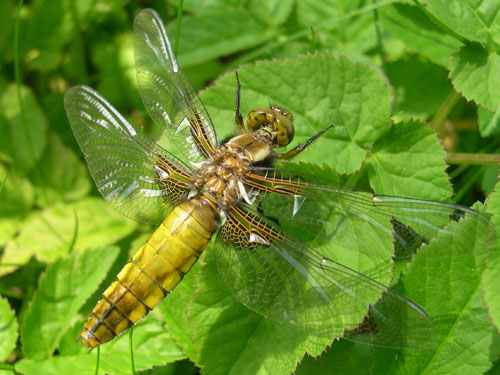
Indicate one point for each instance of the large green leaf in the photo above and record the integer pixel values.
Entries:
(63, 289)
(8, 330)
(491, 276)
(448, 287)
(231, 339)
(48, 234)
(319, 90)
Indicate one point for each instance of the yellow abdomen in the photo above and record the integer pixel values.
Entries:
(153, 271)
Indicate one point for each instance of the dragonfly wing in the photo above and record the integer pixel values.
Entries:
(166, 92)
(281, 278)
(136, 176)
(323, 211)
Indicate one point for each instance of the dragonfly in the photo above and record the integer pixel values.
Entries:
(274, 231)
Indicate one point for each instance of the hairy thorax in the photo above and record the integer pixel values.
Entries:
(221, 177)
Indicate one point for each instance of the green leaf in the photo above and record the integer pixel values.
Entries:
(409, 162)
(475, 73)
(17, 196)
(319, 90)
(420, 94)
(13, 141)
(66, 177)
(231, 339)
(63, 289)
(491, 276)
(272, 13)
(489, 122)
(8, 330)
(476, 20)
(152, 347)
(48, 234)
(420, 34)
(206, 37)
(448, 286)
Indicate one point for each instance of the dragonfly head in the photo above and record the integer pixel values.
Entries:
(280, 120)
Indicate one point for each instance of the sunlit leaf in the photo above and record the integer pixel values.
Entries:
(491, 277)
(24, 152)
(8, 329)
(449, 288)
(320, 90)
(48, 234)
(475, 72)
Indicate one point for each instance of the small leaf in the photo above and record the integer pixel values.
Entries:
(409, 162)
(17, 196)
(63, 289)
(8, 330)
(489, 123)
(13, 141)
(475, 73)
(48, 234)
(272, 13)
(449, 289)
(491, 276)
(419, 33)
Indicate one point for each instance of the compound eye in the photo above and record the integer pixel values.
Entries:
(283, 125)
(256, 119)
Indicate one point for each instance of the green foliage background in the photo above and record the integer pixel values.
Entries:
(411, 87)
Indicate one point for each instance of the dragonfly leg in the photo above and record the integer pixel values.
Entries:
(299, 148)
(238, 117)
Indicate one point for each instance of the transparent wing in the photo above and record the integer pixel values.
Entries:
(137, 177)
(319, 209)
(273, 273)
(166, 92)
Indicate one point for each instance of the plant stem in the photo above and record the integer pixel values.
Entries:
(478, 159)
